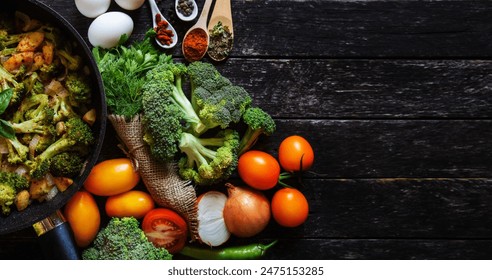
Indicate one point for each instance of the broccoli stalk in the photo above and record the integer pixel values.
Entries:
(259, 122)
(78, 136)
(10, 185)
(122, 239)
(208, 161)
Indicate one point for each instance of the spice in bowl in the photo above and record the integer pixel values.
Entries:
(221, 42)
(185, 7)
(195, 44)
(163, 34)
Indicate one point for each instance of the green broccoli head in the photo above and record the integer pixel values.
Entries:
(10, 185)
(78, 136)
(259, 122)
(122, 239)
(209, 160)
(161, 122)
(18, 152)
(8, 81)
(223, 106)
(166, 79)
(68, 164)
(206, 75)
(78, 88)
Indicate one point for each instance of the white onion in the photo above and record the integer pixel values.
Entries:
(211, 226)
(4, 148)
(51, 194)
(21, 170)
(33, 144)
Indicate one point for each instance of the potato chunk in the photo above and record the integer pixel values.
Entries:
(30, 42)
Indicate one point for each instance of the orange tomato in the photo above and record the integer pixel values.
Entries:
(112, 177)
(129, 204)
(84, 218)
(289, 207)
(292, 150)
(258, 169)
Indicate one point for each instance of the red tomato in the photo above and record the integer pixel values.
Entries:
(259, 169)
(83, 216)
(292, 150)
(111, 177)
(289, 207)
(129, 204)
(165, 228)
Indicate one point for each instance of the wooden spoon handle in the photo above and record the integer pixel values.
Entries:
(202, 20)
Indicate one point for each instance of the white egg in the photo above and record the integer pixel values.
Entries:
(130, 4)
(106, 30)
(92, 8)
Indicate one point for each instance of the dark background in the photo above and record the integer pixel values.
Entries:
(395, 98)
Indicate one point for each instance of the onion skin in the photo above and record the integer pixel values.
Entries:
(246, 212)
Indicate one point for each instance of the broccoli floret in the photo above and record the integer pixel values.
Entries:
(174, 74)
(66, 165)
(223, 106)
(208, 160)
(9, 40)
(33, 85)
(77, 136)
(162, 123)
(47, 72)
(40, 123)
(71, 61)
(8, 81)
(34, 116)
(78, 89)
(122, 239)
(18, 152)
(259, 122)
(10, 185)
(216, 101)
(60, 102)
(206, 75)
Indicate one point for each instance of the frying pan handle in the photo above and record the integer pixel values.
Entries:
(56, 238)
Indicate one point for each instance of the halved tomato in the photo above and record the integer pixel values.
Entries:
(165, 228)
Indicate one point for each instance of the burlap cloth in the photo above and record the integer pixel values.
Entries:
(161, 179)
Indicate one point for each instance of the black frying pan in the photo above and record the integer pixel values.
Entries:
(39, 211)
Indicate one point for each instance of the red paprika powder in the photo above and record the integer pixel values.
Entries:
(195, 44)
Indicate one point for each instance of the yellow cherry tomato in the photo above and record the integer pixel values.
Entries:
(112, 177)
(129, 204)
(84, 218)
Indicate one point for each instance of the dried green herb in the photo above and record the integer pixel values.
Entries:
(221, 42)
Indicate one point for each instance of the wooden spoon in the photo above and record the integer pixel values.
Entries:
(201, 26)
(221, 13)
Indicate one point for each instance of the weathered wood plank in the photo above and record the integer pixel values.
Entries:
(381, 249)
(320, 88)
(392, 148)
(323, 28)
(431, 208)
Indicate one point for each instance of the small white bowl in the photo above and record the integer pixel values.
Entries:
(191, 17)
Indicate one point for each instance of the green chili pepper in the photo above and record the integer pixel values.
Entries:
(246, 252)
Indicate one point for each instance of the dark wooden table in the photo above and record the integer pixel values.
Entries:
(395, 97)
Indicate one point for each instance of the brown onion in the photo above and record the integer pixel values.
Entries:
(246, 212)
